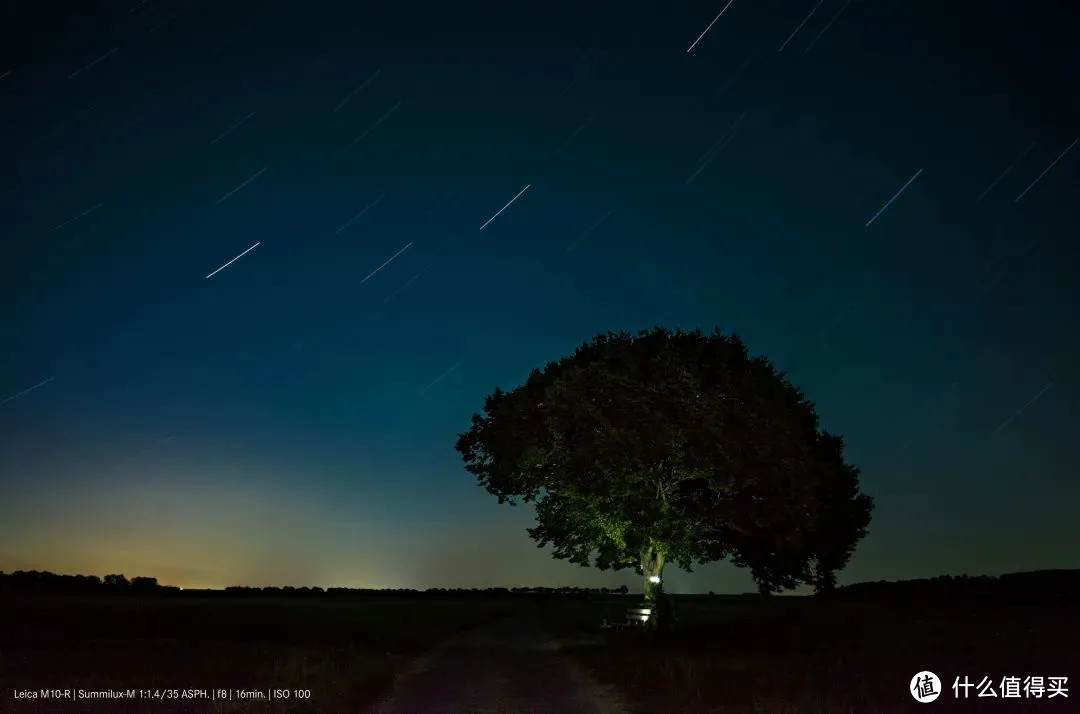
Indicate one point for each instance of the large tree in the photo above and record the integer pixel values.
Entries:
(672, 447)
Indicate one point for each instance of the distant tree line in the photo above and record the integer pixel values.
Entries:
(46, 582)
(1047, 587)
(1034, 587)
(35, 581)
(456, 592)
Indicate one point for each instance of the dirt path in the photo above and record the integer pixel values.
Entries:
(506, 666)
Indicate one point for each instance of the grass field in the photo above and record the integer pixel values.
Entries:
(344, 650)
(724, 654)
(801, 655)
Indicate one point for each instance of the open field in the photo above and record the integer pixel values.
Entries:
(796, 655)
(346, 651)
(724, 654)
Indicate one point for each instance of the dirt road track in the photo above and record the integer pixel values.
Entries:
(506, 666)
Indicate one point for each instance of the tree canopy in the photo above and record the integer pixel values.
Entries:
(672, 446)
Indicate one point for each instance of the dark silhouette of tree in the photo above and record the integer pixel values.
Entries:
(116, 581)
(672, 446)
(143, 583)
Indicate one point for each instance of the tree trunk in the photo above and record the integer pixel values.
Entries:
(652, 567)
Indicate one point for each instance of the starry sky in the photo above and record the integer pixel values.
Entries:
(291, 418)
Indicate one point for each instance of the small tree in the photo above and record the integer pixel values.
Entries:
(671, 447)
(143, 583)
(116, 580)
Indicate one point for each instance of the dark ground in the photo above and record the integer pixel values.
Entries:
(725, 654)
(796, 655)
(508, 665)
(345, 650)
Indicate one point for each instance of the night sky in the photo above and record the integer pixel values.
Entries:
(291, 419)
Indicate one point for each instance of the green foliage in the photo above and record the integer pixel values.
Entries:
(677, 442)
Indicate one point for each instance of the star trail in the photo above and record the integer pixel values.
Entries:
(436, 200)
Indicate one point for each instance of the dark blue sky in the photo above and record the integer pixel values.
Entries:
(288, 421)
